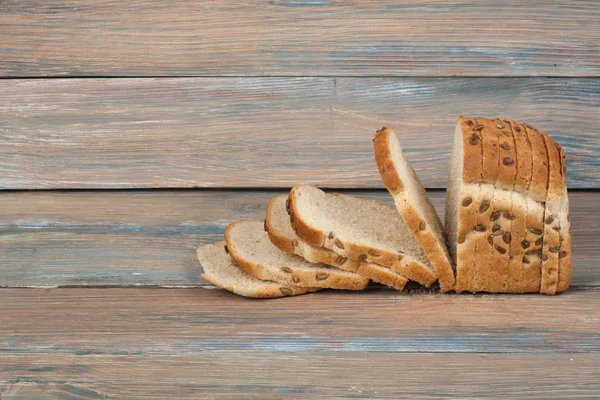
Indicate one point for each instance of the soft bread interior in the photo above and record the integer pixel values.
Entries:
(279, 220)
(357, 220)
(250, 242)
(221, 271)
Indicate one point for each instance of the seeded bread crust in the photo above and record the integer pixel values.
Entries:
(539, 178)
(524, 158)
(564, 256)
(481, 256)
(433, 245)
(513, 228)
(295, 245)
(501, 239)
(222, 272)
(552, 226)
(318, 275)
(491, 250)
(536, 206)
(336, 242)
(522, 277)
(469, 203)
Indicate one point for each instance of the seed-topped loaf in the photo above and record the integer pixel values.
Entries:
(282, 235)
(220, 270)
(249, 246)
(506, 250)
(413, 204)
(359, 230)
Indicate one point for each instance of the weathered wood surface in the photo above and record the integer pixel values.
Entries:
(268, 132)
(183, 322)
(148, 238)
(276, 375)
(132, 343)
(299, 37)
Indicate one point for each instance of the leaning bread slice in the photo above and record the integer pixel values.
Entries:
(249, 246)
(220, 270)
(359, 230)
(413, 204)
(281, 234)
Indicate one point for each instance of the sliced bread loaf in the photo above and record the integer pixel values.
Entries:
(480, 200)
(220, 270)
(283, 236)
(413, 204)
(359, 230)
(249, 246)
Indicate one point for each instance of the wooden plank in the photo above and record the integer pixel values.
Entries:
(283, 37)
(185, 322)
(265, 132)
(272, 375)
(149, 238)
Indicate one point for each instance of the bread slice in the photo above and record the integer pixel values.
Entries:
(281, 234)
(551, 245)
(250, 247)
(413, 204)
(501, 215)
(533, 194)
(519, 274)
(220, 270)
(359, 230)
(564, 256)
(494, 215)
(463, 200)
(513, 227)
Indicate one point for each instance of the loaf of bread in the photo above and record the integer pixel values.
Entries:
(505, 199)
(507, 225)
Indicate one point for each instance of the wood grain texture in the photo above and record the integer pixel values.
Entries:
(185, 322)
(148, 238)
(275, 375)
(268, 132)
(299, 37)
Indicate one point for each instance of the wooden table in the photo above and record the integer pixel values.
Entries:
(133, 132)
